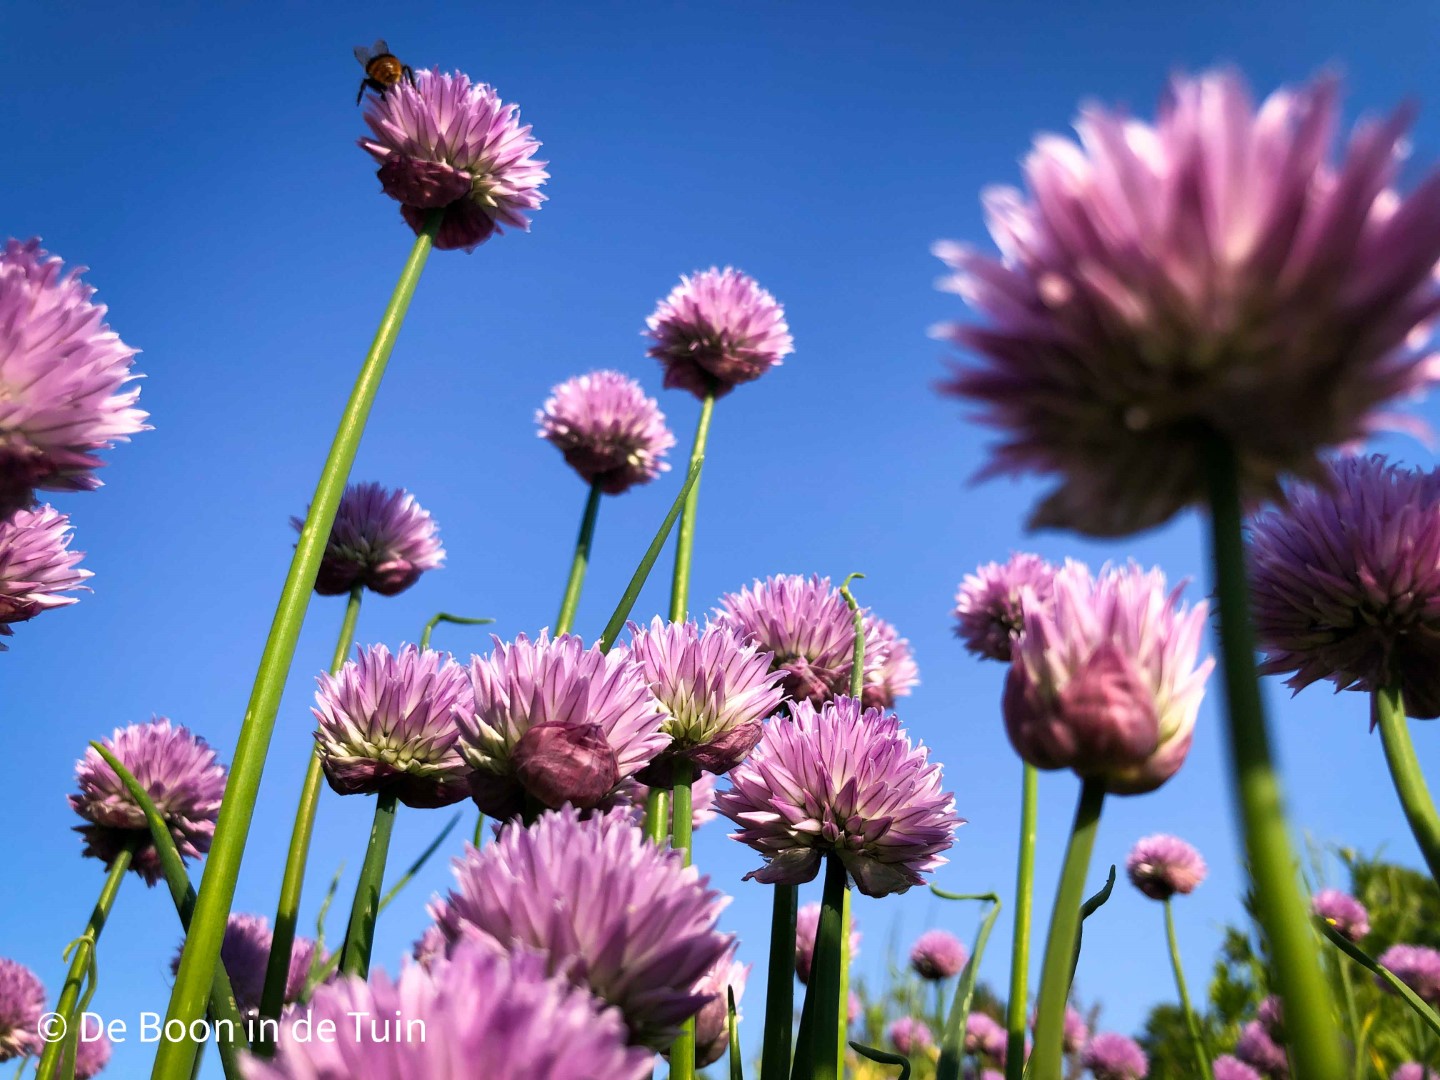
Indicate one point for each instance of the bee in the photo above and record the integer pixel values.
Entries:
(382, 69)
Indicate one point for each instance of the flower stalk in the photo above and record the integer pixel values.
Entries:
(685, 539)
(682, 1051)
(817, 1056)
(1415, 799)
(365, 909)
(571, 602)
(1020, 943)
(780, 984)
(1192, 1023)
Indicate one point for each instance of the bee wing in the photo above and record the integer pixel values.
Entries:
(365, 55)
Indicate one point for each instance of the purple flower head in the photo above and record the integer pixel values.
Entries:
(1417, 966)
(1342, 911)
(644, 949)
(445, 142)
(897, 675)
(715, 691)
(632, 795)
(852, 1007)
(988, 616)
(1105, 679)
(382, 540)
(1411, 1070)
(245, 951)
(1109, 1056)
(1345, 580)
(973, 1073)
(1076, 1031)
(1161, 866)
(712, 1031)
(558, 721)
(92, 1054)
(1212, 274)
(1258, 1050)
(984, 1036)
(716, 330)
(480, 1006)
(22, 1001)
(36, 565)
(178, 771)
(608, 430)
(937, 954)
(64, 372)
(807, 926)
(1232, 1068)
(1271, 1015)
(842, 780)
(387, 723)
(909, 1036)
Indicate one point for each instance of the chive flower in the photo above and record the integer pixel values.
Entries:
(1161, 866)
(988, 613)
(22, 1001)
(37, 567)
(1341, 911)
(937, 955)
(382, 540)
(608, 430)
(1109, 1056)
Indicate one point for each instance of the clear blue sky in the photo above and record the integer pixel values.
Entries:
(202, 161)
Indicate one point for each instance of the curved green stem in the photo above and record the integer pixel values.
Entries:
(446, 617)
(1192, 1022)
(1417, 1004)
(1405, 772)
(222, 867)
(571, 603)
(365, 908)
(685, 541)
(857, 656)
(1047, 1061)
(952, 1042)
(1279, 906)
(780, 985)
(419, 864)
(292, 883)
(1020, 943)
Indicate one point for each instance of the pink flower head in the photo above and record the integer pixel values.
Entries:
(387, 723)
(1227, 1067)
(245, 952)
(714, 689)
(92, 1054)
(1114, 1057)
(938, 954)
(605, 907)
(1271, 1015)
(988, 616)
(1261, 1052)
(1214, 274)
(909, 1036)
(64, 374)
(1075, 1034)
(557, 721)
(1417, 966)
(807, 926)
(985, 1037)
(1105, 680)
(1161, 866)
(1346, 582)
(36, 566)
(447, 142)
(846, 781)
(1411, 1070)
(480, 1006)
(716, 330)
(608, 430)
(898, 674)
(22, 1001)
(1342, 911)
(382, 540)
(178, 771)
(712, 1022)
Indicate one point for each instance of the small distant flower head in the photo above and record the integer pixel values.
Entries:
(714, 688)
(64, 374)
(92, 1054)
(381, 539)
(558, 721)
(716, 330)
(1076, 1030)
(387, 723)
(841, 780)
(1257, 1049)
(644, 949)
(1271, 1015)
(22, 1002)
(1105, 680)
(712, 1030)
(1411, 1070)
(1161, 866)
(447, 142)
(937, 954)
(897, 674)
(985, 1036)
(807, 926)
(1232, 1068)
(36, 566)
(988, 614)
(1109, 1056)
(479, 1006)
(178, 771)
(909, 1035)
(1342, 911)
(1417, 966)
(245, 951)
(608, 430)
(852, 1007)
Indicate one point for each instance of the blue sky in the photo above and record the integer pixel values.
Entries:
(202, 162)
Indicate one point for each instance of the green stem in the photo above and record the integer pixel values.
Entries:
(445, 616)
(1405, 771)
(292, 883)
(1047, 1061)
(419, 864)
(1357, 1033)
(1279, 906)
(1417, 1004)
(780, 985)
(1197, 1039)
(222, 867)
(479, 838)
(842, 1021)
(857, 655)
(365, 908)
(816, 1056)
(1020, 943)
(568, 606)
(682, 1050)
(685, 541)
(82, 961)
(657, 815)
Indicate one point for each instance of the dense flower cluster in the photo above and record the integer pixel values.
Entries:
(1161, 866)
(608, 430)
(989, 612)
(37, 566)
(382, 540)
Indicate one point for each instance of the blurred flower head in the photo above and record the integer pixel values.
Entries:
(1417, 966)
(1260, 1051)
(909, 1036)
(22, 1002)
(937, 954)
(245, 952)
(985, 1037)
(1342, 911)
(807, 925)
(1227, 1067)
(92, 1054)
(1213, 275)
(1109, 1056)
(1161, 866)
(608, 430)
(1411, 1070)
(712, 1027)
(37, 566)
(897, 675)
(988, 614)
(382, 540)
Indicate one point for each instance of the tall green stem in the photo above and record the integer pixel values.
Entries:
(1279, 905)
(80, 963)
(568, 606)
(1020, 944)
(842, 1020)
(1192, 1022)
(1357, 1032)
(657, 815)
(292, 883)
(685, 541)
(365, 909)
(780, 985)
(1405, 772)
(222, 867)
(816, 1056)
(682, 1051)
(1047, 1061)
